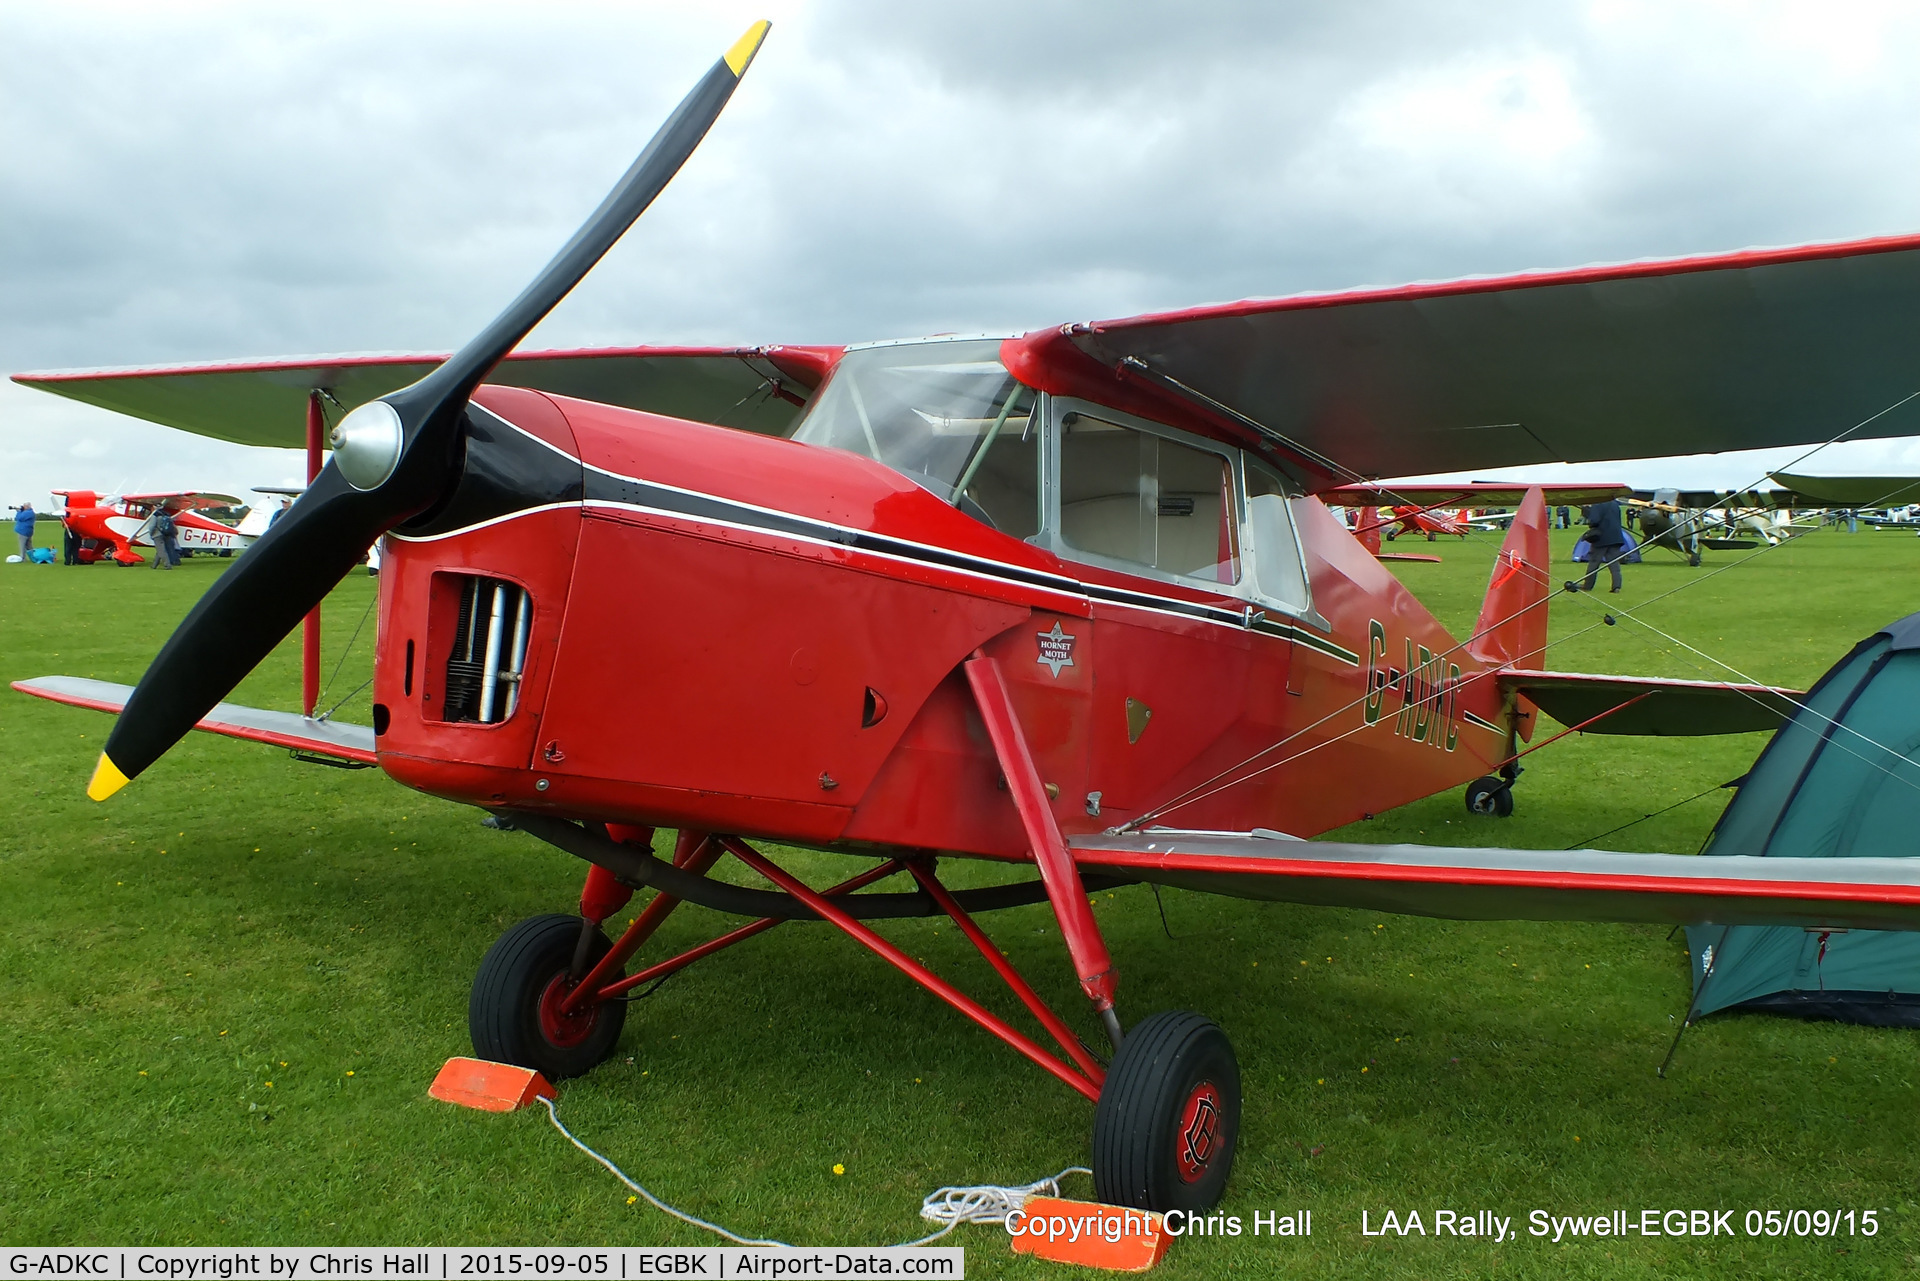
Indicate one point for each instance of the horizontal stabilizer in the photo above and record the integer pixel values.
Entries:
(278, 729)
(1522, 885)
(1654, 705)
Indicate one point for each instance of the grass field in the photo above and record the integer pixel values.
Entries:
(227, 989)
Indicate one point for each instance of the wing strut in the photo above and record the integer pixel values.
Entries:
(1068, 896)
(310, 633)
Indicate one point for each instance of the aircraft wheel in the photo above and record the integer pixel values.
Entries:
(1694, 560)
(1490, 795)
(514, 1015)
(1169, 1116)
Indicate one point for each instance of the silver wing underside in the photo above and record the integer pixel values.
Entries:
(1529, 885)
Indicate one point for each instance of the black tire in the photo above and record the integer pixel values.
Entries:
(504, 1014)
(1490, 796)
(1693, 559)
(1169, 1116)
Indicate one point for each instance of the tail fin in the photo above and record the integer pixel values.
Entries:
(1512, 628)
(1372, 521)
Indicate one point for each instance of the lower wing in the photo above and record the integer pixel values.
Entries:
(1528, 885)
(353, 743)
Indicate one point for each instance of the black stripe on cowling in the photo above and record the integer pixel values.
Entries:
(506, 470)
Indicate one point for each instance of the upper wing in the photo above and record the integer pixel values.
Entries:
(1528, 885)
(264, 402)
(1850, 491)
(279, 729)
(1476, 493)
(1652, 704)
(1634, 360)
(186, 501)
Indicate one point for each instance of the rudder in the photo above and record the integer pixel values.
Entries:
(1512, 628)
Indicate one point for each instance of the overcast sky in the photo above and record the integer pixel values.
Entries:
(182, 183)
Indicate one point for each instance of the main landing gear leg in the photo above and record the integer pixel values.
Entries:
(1168, 1114)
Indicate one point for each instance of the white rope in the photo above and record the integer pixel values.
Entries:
(984, 1202)
(951, 1207)
(652, 1200)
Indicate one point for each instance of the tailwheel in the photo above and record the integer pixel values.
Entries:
(1169, 1115)
(515, 1014)
(1491, 796)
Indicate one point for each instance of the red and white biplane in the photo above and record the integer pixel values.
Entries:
(1071, 600)
(109, 530)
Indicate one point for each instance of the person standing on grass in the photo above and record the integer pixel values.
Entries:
(1606, 542)
(164, 557)
(23, 527)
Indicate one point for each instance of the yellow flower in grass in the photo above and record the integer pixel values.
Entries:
(838, 1168)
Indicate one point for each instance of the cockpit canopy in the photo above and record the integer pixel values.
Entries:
(947, 415)
(1131, 495)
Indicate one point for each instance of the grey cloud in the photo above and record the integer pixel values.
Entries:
(248, 181)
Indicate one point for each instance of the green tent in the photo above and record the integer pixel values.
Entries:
(1842, 778)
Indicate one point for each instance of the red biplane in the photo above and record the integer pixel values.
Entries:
(110, 530)
(1421, 507)
(1069, 600)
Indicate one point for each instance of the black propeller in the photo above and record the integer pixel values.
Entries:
(393, 459)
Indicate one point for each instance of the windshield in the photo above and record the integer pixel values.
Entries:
(947, 415)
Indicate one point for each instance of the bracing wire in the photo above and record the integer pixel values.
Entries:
(1207, 788)
(1631, 615)
(344, 654)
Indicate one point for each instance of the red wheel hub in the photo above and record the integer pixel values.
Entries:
(560, 1028)
(1198, 1138)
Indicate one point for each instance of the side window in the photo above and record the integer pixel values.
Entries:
(1276, 548)
(1134, 496)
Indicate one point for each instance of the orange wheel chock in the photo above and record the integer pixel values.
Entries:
(1090, 1234)
(490, 1087)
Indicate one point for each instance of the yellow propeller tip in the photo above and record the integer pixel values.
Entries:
(107, 779)
(745, 47)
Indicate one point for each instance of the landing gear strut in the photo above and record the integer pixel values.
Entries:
(550, 994)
